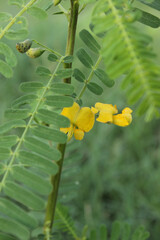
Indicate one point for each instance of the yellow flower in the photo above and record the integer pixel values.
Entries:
(107, 114)
(81, 121)
(123, 119)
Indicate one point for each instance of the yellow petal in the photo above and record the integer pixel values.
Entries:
(94, 110)
(65, 130)
(78, 134)
(106, 107)
(127, 110)
(122, 120)
(85, 119)
(71, 112)
(105, 117)
(68, 131)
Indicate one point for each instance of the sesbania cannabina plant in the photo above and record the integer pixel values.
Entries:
(50, 111)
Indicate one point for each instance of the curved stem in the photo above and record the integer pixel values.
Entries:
(48, 49)
(10, 24)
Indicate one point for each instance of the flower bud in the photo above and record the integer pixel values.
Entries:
(56, 2)
(24, 46)
(35, 52)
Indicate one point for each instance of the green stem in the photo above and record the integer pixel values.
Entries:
(52, 199)
(48, 49)
(71, 33)
(23, 10)
(55, 180)
(89, 78)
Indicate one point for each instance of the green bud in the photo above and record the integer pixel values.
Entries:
(56, 2)
(35, 52)
(24, 46)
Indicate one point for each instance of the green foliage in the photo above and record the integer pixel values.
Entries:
(29, 154)
(31, 149)
(127, 51)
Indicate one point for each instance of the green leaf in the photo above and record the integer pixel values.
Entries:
(78, 75)
(68, 59)
(49, 134)
(31, 86)
(89, 40)
(5, 153)
(32, 180)
(154, 4)
(43, 71)
(85, 59)
(13, 211)
(11, 124)
(52, 57)
(39, 162)
(5, 17)
(37, 12)
(115, 230)
(6, 237)
(5, 69)
(126, 232)
(8, 141)
(64, 73)
(14, 228)
(2, 168)
(19, 3)
(17, 113)
(94, 88)
(53, 118)
(93, 235)
(24, 196)
(14, 35)
(59, 101)
(26, 99)
(42, 148)
(10, 57)
(103, 232)
(103, 77)
(62, 88)
(149, 19)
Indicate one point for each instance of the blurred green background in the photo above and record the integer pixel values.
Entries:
(118, 168)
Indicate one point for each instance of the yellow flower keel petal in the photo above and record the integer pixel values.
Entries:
(78, 134)
(122, 120)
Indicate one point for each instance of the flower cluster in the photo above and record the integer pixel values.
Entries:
(82, 119)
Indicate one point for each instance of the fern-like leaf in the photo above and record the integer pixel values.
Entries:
(29, 158)
(126, 51)
(65, 222)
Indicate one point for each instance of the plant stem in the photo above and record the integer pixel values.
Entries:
(89, 79)
(48, 49)
(71, 33)
(23, 10)
(55, 180)
(51, 205)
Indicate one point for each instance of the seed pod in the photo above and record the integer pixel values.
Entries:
(35, 52)
(24, 46)
(56, 2)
